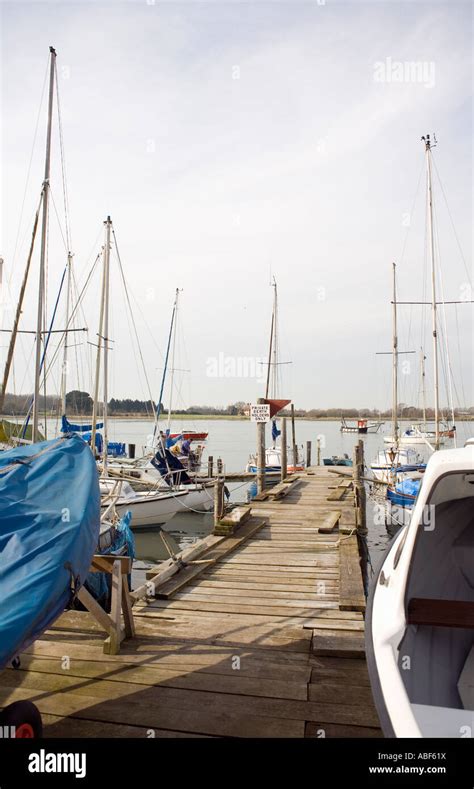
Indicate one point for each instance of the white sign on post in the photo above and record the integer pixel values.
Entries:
(260, 412)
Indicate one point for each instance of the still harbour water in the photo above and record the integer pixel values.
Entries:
(233, 441)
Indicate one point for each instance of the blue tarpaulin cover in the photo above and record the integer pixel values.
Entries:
(49, 528)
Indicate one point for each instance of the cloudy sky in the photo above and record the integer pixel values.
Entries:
(232, 141)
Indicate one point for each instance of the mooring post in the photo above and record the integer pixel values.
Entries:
(308, 454)
(284, 456)
(219, 465)
(359, 488)
(318, 451)
(363, 497)
(260, 452)
(218, 500)
(293, 438)
(210, 466)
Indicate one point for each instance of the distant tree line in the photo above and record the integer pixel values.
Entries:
(80, 403)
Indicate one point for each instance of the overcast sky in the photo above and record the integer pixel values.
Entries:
(231, 140)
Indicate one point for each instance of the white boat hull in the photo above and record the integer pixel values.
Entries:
(420, 654)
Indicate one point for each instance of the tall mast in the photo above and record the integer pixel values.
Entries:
(272, 347)
(275, 344)
(44, 235)
(108, 225)
(64, 368)
(173, 351)
(433, 285)
(165, 368)
(100, 335)
(395, 358)
(423, 387)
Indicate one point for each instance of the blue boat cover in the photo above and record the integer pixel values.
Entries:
(49, 528)
(408, 486)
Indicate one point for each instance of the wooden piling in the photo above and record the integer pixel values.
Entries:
(293, 437)
(284, 457)
(219, 465)
(359, 488)
(308, 454)
(210, 466)
(218, 500)
(318, 451)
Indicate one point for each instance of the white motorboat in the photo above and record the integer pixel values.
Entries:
(420, 615)
(149, 508)
(413, 436)
(387, 460)
(273, 462)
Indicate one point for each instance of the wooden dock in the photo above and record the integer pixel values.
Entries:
(261, 636)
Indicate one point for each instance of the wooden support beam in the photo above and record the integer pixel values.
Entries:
(351, 587)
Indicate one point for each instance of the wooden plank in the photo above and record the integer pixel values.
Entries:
(338, 644)
(236, 517)
(283, 489)
(171, 566)
(352, 595)
(337, 494)
(231, 543)
(333, 693)
(277, 686)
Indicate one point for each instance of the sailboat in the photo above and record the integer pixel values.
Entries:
(172, 464)
(391, 462)
(420, 614)
(418, 433)
(49, 524)
(273, 453)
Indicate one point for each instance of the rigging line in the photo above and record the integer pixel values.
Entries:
(460, 357)
(63, 164)
(45, 348)
(452, 221)
(411, 212)
(75, 293)
(134, 324)
(448, 382)
(59, 221)
(29, 167)
(73, 313)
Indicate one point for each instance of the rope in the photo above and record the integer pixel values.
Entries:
(150, 394)
(63, 164)
(29, 171)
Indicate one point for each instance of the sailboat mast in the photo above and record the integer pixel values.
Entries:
(99, 347)
(108, 225)
(423, 388)
(44, 235)
(434, 316)
(173, 351)
(64, 369)
(395, 358)
(275, 344)
(272, 345)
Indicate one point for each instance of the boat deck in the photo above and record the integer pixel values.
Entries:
(265, 642)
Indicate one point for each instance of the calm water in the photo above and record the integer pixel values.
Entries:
(233, 440)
